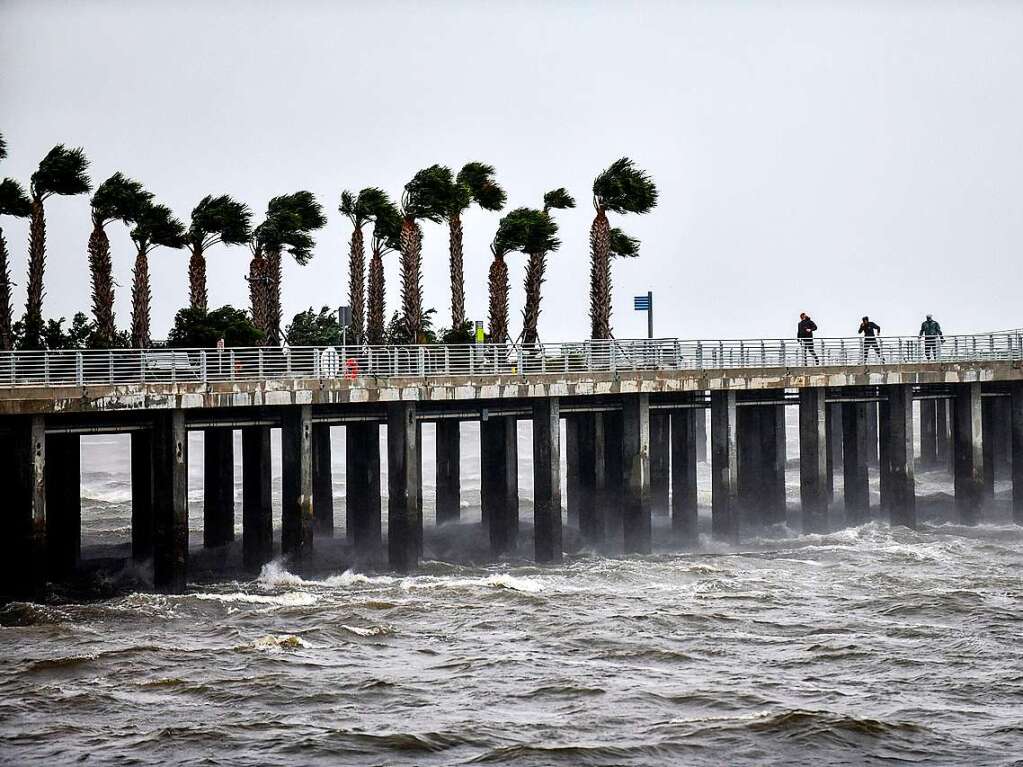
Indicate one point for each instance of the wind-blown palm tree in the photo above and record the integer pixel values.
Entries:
(426, 196)
(63, 171)
(512, 235)
(359, 209)
(13, 202)
(474, 184)
(622, 188)
(155, 226)
(289, 220)
(215, 220)
(542, 242)
(386, 238)
(116, 199)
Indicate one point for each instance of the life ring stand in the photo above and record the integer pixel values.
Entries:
(351, 369)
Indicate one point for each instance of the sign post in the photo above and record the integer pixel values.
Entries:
(646, 304)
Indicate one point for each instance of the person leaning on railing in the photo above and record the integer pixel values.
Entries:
(930, 331)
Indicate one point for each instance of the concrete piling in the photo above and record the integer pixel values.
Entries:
(701, 432)
(750, 466)
(856, 488)
(448, 460)
(63, 504)
(218, 487)
(547, 480)
(297, 483)
(323, 481)
(724, 467)
(170, 501)
(636, 471)
(813, 465)
(660, 460)
(833, 431)
(987, 420)
(684, 455)
(404, 516)
(900, 454)
(1016, 426)
(141, 495)
(257, 512)
(362, 491)
(942, 436)
(929, 433)
(592, 478)
(775, 456)
(968, 447)
(25, 485)
(573, 480)
(614, 481)
(499, 481)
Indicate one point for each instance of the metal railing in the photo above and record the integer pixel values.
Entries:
(357, 363)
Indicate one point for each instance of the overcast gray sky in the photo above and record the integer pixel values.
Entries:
(841, 158)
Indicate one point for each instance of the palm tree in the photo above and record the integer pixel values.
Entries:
(214, 220)
(512, 235)
(542, 242)
(13, 202)
(622, 188)
(116, 199)
(386, 238)
(426, 196)
(155, 226)
(289, 220)
(474, 184)
(63, 171)
(359, 209)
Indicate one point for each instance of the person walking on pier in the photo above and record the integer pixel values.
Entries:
(804, 333)
(870, 331)
(930, 331)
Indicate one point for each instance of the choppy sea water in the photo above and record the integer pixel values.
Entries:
(869, 645)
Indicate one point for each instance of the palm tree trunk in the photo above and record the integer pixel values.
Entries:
(498, 300)
(457, 271)
(36, 267)
(535, 268)
(141, 298)
(6, 336)
(375, 303)
(411, 246)
(197, 295)
(600, 277)
(101, 272)
(257, 292)
(273, 298)
(357, 285)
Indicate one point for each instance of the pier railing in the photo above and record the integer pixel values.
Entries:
(136, 366)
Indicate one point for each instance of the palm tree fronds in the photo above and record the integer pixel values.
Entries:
(156, 226)
(558, 199)
(223, 217)
(623, 246)
(429, 194)
(62, 171)
(13, 200)
(478, 178)
(3, 148)
(624, 188)
(119, 198)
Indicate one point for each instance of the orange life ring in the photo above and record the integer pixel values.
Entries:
(351, 369)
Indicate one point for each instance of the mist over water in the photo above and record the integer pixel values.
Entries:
(868, 645)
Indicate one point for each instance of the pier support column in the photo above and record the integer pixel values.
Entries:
(24, 558)
(873, 434)
(775, 456)
(141, 495)
(448, 457)
(813, 462)
(323, 481)
(63, 503)
(900, 454)
(684, 452)
(592, 479)
(547, 480)
(297, 483)
(660, 460)
(724, 469)
(573, 479)
(257, 511)
(750, 465)
(854, 465)
(701, 431)
(833, 432)
(404, 517)
(614, 481)
(968, 440)
(942, 436)
(170, 501)
(499, 481)
(928, 433)
(362, 491)
(1016, 421)
(987, 421)
(218, 487)
(636, 470)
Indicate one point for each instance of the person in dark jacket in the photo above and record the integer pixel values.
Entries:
(804, 332)
(930, 331)
(870, 331)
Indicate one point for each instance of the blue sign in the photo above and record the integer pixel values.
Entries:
(641, 303)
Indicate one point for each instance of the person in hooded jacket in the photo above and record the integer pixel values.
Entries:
(930, 331)
(870, 330)
(804, 333)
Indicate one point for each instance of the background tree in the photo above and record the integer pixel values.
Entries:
(214, 220)
(512, 233)
(62, 171)
(13, 202)
(289, 220)
(116, 199)
(621, 188)
(155, 226)
(386, 238)
(359, 210)
(398, 333)
(426, 196)
(474, 184)
(198, 329)
(542, 241)
(310, 328)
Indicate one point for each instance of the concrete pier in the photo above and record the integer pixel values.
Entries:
(701, 433)
(943, 435)
(684, 455)
(362, 491)
(25, 556)
(257, 512)
(499, 481)
(761, 460)
(404, 516)
(218, 487)
(928, 433)
(448, 458)
(987, 421)
(724, 467)
(63, 504)
(323, 481)
(547, 480)
(813, 465)
(592, 478)
(900, 454)
(750, 464)
(833, 432)
(636, 471)
(1016, 426)
(573, 480)
(873, 434)
(856, 488)
(968, 447)
(297, 483)
(660, 460)
(170, 501)
(613, 498)
(141, 495)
